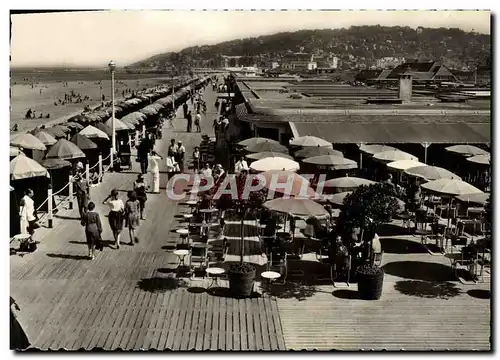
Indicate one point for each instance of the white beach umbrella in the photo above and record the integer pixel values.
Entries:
(274, 163)
(119, 125)
(46, 138)
(27, 141)
(22, 167)
(310, 141)
(393, 155)
(93, 132)
(431, 173)
(404, 164)
(480, 159)
(451, 187)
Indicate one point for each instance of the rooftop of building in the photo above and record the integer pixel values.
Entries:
(269, 96)
(339, 113)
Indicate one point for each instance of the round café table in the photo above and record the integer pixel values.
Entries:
(183, 233)
(187, 217)
(270, 276)
(181, 254)
(210, 211)
(192, 204)
(214, 273)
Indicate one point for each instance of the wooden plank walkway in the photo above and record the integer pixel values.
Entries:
(412, 314)
(128, 298)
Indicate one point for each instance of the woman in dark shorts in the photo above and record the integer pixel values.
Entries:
(115, 216)
(132, 216)
(140, 188)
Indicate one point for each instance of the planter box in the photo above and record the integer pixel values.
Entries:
(370, 286)
(241, 285)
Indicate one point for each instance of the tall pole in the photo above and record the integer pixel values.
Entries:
(173, 92)
(112, 67)
(113, 109)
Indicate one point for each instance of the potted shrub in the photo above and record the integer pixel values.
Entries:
(364, 211)
(241, 279)
(242, 275)
(370, 280)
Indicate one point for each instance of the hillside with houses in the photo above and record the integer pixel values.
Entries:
(357, 47)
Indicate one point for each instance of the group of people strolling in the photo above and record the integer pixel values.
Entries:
(129, 214)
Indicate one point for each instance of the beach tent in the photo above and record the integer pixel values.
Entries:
(83, 142)
(119, 125)
(27, 141)
(56, 132)
(65, 150)
(46, 138)
(93, 132)
(22, 167)
(309, 152)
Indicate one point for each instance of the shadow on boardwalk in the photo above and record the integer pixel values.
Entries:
(427, 289)
(420, 270)
(160, 284)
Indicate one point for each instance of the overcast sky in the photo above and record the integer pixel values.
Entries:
(94, 38)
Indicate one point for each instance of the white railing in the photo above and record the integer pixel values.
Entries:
(70, 197)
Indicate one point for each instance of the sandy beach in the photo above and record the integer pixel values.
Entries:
(24, 97)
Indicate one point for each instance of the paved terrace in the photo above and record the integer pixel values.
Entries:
(128, 298)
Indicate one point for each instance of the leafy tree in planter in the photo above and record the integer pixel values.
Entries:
(255, 198)
(367, 208)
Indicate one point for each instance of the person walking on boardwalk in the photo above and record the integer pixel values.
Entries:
(18, 338)
(196, 159)
(197, 121)
(115, 216)
(154, 168)
(93, 229)
(181, 152)
(185, 109)
(172, 149)
(82, 193)
(189, 121)
(27, 213)
(132, 208)
(140, 188)
(142, 154)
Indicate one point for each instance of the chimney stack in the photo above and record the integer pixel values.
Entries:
(405, 88)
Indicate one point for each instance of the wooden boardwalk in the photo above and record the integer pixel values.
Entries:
(130, 298)
(414, 313)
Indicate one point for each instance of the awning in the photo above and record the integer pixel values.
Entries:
(394, 133)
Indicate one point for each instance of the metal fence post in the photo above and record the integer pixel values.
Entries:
(87, 172)
(112, 159)
(100, 167)
(49, 205)
(70, 190)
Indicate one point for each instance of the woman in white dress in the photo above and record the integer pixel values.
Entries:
(154, 168)
(27, 213)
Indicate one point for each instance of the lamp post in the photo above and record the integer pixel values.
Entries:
(112, 67)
